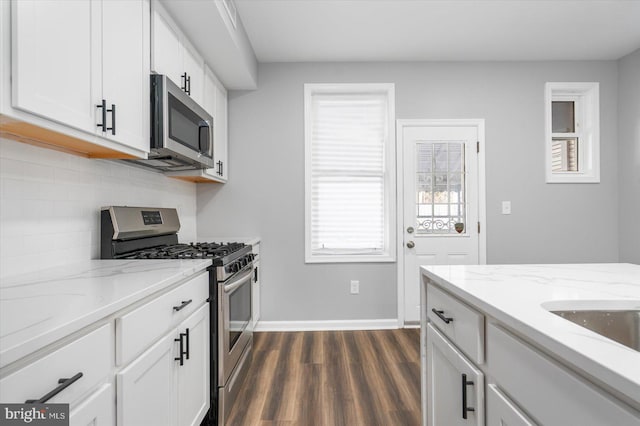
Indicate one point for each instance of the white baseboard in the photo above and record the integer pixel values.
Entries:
(379, 324)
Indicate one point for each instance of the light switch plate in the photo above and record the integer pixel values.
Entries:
(506, 207)
(355, 287)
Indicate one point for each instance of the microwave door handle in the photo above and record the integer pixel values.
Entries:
(204, 132)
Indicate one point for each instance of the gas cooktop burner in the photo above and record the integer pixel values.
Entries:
(187, 251)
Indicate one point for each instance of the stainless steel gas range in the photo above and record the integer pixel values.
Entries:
(151, 233)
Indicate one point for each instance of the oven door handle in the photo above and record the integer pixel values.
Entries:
(228, 288)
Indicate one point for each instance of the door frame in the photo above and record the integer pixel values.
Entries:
(401, 124)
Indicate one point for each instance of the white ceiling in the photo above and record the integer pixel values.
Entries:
(442, 30)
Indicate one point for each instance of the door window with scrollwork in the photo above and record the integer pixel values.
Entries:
(440, 188)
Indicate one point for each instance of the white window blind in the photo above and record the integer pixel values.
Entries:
(348, 178)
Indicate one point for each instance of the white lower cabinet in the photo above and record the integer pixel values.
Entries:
(455, 389)
(160, 378)
(97, 409)
(524, 385)
(169, 383)
(193, 382)
(144, 388)
(549, 392)
(255, 294)
(502, 411)
(66, 375)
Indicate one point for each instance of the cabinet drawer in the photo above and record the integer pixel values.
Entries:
(460, 323)
(548, 391)
(90, 355)
(138, 329)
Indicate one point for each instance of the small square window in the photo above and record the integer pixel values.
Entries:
(572, 133)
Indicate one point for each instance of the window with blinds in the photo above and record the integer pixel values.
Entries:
(349, 174)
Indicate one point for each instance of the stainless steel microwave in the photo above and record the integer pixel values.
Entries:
(181, 130)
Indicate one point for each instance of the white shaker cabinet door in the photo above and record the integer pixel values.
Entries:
(166, 49)
(210, 91)
(194, 68)
(455, 387)
(96, 409)
(255, 296)
(502, 411)
(55, 60)
(549, 392)
(215, 103)
(126, 69)
(221, 143)
(193, 374)
(145, 389)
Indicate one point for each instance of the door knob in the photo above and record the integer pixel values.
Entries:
(411, 244)
(410, 229)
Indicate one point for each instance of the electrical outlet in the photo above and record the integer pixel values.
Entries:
(355, 287)
(506, 207)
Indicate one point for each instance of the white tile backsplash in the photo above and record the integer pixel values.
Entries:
(50, 204)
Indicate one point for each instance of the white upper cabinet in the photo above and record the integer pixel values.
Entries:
(173, 55)
(125, 70)
(194, 71)
(67, 57)
(166, 50)
(215, 102)
(54, 57)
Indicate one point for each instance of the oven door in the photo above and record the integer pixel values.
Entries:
(234, 325)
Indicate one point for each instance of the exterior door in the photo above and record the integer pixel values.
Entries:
(440, 200)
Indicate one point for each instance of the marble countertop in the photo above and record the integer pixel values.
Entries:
(40, 307)
(519, 296)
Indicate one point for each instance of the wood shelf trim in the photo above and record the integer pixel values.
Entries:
(32, 134)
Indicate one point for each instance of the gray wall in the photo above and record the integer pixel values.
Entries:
(629, 156)
(549, 222)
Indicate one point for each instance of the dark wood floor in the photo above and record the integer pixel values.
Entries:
(350, 378)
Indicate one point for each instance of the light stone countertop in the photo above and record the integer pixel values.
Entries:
(40, 307)
(515, 294)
